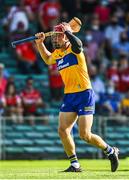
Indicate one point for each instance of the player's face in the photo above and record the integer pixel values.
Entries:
(58, 40)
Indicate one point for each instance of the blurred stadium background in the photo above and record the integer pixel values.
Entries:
(31, 93)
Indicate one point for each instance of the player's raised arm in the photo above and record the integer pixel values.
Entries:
(76, 43)
(45, 54)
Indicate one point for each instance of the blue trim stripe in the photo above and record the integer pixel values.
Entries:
(66, 61)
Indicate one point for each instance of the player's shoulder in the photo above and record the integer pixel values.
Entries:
(56, 53)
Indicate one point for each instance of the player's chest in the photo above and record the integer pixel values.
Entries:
(66, 61)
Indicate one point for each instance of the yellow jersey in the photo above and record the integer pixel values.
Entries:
(73, 70)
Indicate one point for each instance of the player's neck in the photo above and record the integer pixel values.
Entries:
(65, 47)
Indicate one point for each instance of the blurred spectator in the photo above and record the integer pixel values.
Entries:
(3, 84)
(98, 35)
(56, 84)
(32, 101)
(66, 6)
(13, 104)
(64, 16)
(19, 33)
(15, 15)
(31, 7)
(122, 46)
(119, 7)
(4, 75)
(97, 83)
(49, 14)
(3, 80)
(27, 59)
(91, 48)
(2, 106)
(11, 79)
(110, 100)
(4, 72)
(112, 35)
(123, 74)
(113, 30)
(127, 23)
(25, 53)
(112, 73)
(86, 6)
(125, 105)
(103, 12)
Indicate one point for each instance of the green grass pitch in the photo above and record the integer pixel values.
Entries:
(51, 169)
